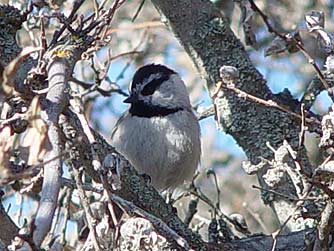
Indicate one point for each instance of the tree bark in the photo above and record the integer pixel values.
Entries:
(207, 38)
(8, 229)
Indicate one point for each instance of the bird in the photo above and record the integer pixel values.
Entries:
(159, 134)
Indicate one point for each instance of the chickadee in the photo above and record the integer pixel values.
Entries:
(159, 134)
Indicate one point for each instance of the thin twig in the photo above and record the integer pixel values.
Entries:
(192, 210)
(128, 53)
(303, 128)
(299, 204)
(276, 193)
(288, 197)
(75, 8)
(85, 204)
(299, 169)
(138, 10)
(102, 30)
(66, 215)
(32, 183)
(271, 29)
(96, 8)
(216, 211)
(158, 223)
(86, 186)
(269, 103)
(256, 217)
(56, 217)
(139, 26)
(212, 172)
(43, 43)
(96, 161)
(214, 97)
(95, 87)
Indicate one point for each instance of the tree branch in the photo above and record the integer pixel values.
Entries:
(61, 63)
(211, 44)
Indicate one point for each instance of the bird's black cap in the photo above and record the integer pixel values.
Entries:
(147, 70)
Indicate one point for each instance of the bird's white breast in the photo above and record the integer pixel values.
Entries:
(166, 148)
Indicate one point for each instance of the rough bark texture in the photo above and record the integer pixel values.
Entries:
(8, 229)
(208, 40)
(136, 190)
(296, 241)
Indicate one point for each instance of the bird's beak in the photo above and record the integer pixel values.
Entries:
(131, 99)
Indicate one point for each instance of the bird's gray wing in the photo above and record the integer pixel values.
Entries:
(119, 121)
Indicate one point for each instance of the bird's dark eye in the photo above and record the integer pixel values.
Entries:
(150, 88)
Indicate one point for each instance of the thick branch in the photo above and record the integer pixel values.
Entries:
(58, 73)
(293, 242)
(135, 189)
(211, 44)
